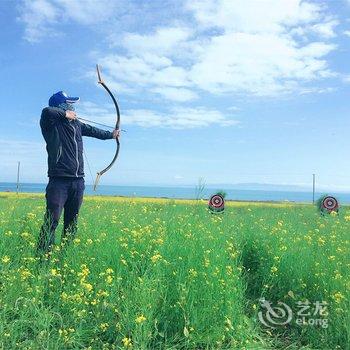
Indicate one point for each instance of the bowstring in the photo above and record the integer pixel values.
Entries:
(88, 164)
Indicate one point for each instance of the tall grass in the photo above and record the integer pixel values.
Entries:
(168, 275)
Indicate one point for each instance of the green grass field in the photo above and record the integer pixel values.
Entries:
(158, 274)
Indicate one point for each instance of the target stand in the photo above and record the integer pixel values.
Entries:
(216, 204)
(329, 204)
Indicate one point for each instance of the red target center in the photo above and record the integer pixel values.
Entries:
(216, 201)
(330, 203)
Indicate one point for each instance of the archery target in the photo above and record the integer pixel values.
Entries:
(330, 203)
(216, 203)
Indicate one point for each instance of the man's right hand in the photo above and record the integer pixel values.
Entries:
(71, 115)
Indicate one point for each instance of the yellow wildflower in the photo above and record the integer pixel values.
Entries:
(5, 259)
(321, 241)
(127, 342)
(156, 257)
(87, 286)
(274, 269)
(104, 326)
(192, 272)
(140, 319)
(25, 273)
(25, 235)
(338, 297)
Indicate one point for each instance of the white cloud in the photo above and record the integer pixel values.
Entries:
(19, 149)
(36, 16)
(88, 11)
(346, 78)
(156, 74)
(32, 156)
(317, 90)
(254, 16)
(179, 118)
(233, 47)
(326, 29)
(100, 114)
(258, 47)
(162, 41)
(41, 17)
(346, 32)
(175, 118)
(241, 62)
(176, 94)
(144, 72)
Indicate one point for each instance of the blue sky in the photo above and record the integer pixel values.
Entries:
(228, 91)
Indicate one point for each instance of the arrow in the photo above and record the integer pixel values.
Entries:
(106, 126)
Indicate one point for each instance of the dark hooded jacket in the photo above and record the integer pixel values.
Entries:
(64, 143)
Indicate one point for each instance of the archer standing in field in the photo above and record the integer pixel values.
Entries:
(63, 133)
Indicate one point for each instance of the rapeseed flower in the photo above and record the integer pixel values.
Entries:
(127, 343)
(338, 297)
(155, 258)
(6, 259)
(140, 319)
(104, 326)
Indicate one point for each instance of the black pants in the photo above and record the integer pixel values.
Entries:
(61, 193)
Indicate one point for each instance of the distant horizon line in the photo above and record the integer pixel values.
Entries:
(283, 187)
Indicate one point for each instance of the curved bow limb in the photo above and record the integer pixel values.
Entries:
(117, 126)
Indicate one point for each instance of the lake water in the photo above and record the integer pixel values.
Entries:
(185, 192)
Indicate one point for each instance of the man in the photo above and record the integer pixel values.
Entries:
(63, 133)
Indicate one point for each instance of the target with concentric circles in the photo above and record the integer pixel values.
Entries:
(216, 201)
(330, 203)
